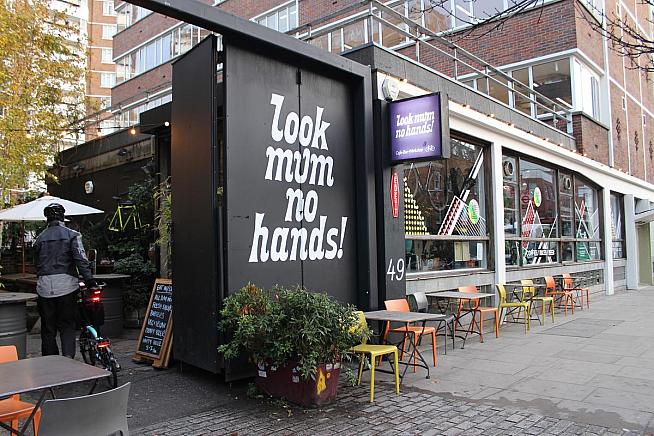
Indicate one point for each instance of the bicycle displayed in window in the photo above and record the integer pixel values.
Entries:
(125, 217)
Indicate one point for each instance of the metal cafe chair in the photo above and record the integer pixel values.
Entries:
(530, 293)
(12, 409)
(482, 310)
(570, 286)
(563, 295)
(375, 351)
(402, 305)
(511, 306)
(420, 304)
(103, 413)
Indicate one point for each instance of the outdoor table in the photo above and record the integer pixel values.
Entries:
(42, 374)
(13, 319)
(388, 316)
(455, 295)
(19, 282)
(112, 298)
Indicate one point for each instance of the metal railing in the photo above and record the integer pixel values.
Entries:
(371, 21)
(366, 21)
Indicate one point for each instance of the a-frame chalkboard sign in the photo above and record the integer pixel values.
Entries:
(155, 341)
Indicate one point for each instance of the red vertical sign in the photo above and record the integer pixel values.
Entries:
(395, 194)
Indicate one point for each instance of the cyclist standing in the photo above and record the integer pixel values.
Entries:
(60, 259)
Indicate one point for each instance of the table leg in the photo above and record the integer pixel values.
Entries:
(30, 418)
(412, 353)
(95, 385)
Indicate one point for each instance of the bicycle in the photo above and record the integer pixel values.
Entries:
(125, 213)
(93, 347)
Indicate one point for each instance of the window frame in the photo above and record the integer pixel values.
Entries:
(561, 240)
(103, 83)
(108, 11)
(487, 240)
(106, 59)
(621, 241)
(105, 33)
(275, 11)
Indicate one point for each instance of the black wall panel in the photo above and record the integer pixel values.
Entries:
(295, 134)
(194, 169)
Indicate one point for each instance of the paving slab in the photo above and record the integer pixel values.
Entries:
(582, 327)
(584, 355)
(622, 399)
(553, 389)
(623, 384)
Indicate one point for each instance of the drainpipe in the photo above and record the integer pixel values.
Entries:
(605, 100)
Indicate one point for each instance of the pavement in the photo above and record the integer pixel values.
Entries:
(587, 373)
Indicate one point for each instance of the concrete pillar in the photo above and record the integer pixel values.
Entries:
(630, 241)
(497, 190)
(607, 241)
(643, 237)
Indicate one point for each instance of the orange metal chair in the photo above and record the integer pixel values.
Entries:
(402, 305)
(569, 286)
(562, 294)
(477, 309)
(12, 409)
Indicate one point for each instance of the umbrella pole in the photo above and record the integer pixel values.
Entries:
(22, 241)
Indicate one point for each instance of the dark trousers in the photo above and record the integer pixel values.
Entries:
(58, 315)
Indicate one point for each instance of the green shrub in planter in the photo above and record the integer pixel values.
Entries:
(289, 325)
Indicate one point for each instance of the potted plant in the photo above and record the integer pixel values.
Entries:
(297, 339)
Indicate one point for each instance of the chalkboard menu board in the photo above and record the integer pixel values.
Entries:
(154, 340)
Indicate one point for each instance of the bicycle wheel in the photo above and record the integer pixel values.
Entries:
(115, 225)
(86, 348)
(109, 363)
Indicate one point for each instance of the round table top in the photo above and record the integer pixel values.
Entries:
(15, 297)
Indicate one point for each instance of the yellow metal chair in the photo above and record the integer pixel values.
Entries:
(374, 351)
(520, 305)
(529, 291)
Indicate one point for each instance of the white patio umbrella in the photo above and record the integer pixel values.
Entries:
(33, 211)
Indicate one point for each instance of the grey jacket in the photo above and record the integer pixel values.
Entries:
(59, 250)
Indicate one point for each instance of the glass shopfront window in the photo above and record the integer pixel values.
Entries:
(558, 215)
(445, 211)
(587, 228)
(617, 225)
(510, 195)
(538, 211)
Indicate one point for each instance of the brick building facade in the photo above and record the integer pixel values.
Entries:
(549, 90)
(613, 129)
(101, 70)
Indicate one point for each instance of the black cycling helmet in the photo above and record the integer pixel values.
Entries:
(54, 212)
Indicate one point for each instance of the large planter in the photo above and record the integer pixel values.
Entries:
(286, 382)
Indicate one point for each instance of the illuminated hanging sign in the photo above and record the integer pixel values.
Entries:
(419, 129)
